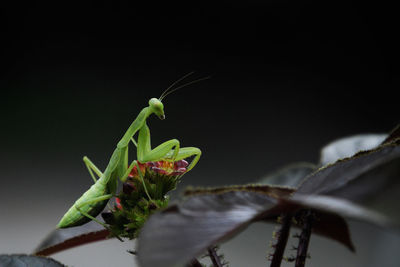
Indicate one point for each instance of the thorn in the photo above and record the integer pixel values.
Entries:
(133, 252)
(296, 235)
(290, 259)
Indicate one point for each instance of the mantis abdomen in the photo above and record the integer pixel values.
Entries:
(86, 205)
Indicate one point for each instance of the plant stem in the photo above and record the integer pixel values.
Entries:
(214, 257)
(304, 240)
(283, 235)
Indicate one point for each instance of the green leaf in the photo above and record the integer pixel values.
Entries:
(290, 176)
(348, 146)
(20, 260)
(62, 239)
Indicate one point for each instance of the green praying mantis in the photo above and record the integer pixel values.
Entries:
(94, 200)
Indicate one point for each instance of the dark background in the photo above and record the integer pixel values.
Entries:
(287, 78)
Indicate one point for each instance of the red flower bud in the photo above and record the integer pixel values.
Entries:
(180, 164)
(118, 203)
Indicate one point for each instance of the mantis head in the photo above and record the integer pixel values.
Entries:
(157, 107)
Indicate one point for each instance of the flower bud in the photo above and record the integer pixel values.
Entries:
(153, 164)
(158, 170)
(118, 203)
(128, 188)
(180, 164)
(108, 217)
(152, 206)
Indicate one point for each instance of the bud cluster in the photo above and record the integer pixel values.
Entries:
(138, 199)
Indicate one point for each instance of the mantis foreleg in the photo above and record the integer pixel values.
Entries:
(146, 154)
(186, 152)
(164, 151)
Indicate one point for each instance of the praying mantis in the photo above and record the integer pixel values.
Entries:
(94, 200)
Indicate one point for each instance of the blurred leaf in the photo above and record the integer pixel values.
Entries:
(290, 176)
(357, 178)
(394, 134)
(19, 260)
(348, 146)
(184, 231)
(62, 239)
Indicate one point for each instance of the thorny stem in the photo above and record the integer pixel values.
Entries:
(194, 263)
(282, 235)
(214, 257)
(304, 240)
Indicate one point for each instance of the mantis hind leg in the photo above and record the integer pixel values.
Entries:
(92, 168)
(93, 201)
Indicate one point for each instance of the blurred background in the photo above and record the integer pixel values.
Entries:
(287, 78)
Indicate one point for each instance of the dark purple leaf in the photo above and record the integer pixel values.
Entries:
(269, 190)
(341, 207)
(209, 216)
(62, 239)
(289, 176)
(348, 146)
(331, 212)
(19, 260)
(333, 227)
(365, 175)
(204, 219)
(184, 231)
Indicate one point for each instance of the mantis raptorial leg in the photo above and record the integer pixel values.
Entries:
(164, 151)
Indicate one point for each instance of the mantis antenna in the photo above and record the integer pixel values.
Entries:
(169, 90)
(174, 83)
